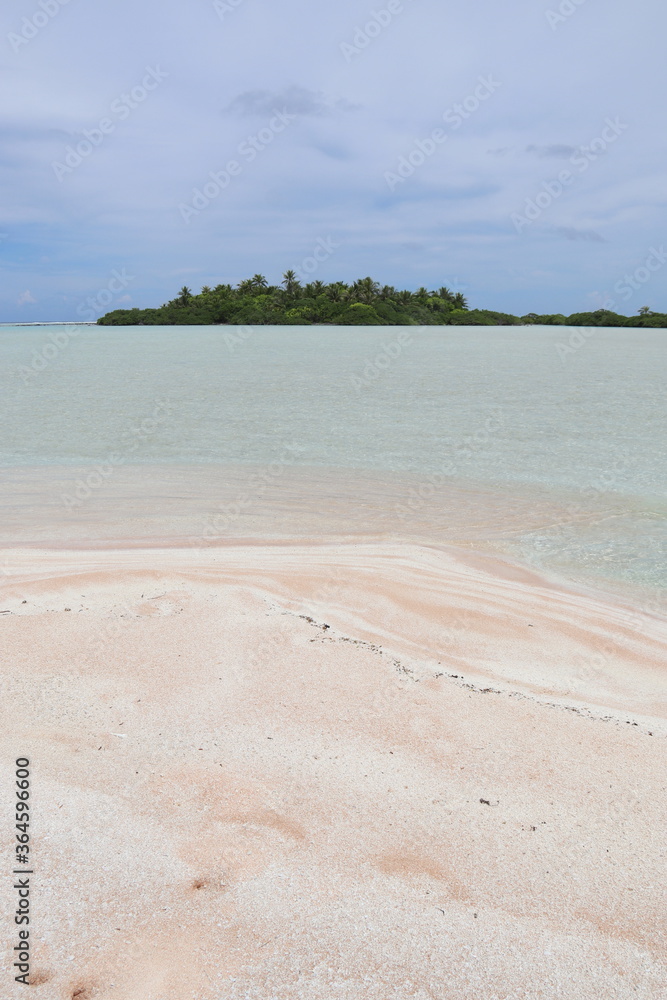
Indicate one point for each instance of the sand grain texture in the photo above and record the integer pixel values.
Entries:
(335, 771)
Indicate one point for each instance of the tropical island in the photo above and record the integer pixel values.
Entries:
(365, 302)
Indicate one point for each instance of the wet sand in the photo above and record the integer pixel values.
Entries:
(367, 769)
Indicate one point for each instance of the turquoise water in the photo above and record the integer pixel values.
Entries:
(579, 425)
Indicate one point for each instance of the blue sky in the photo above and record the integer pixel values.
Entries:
(115, 114)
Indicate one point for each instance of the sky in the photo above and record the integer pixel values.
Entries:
(512, 151)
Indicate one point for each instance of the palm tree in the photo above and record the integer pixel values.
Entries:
(459, 301)
(184, 295)
(387, 292)
(365, 290)
(205, 290)
(291, 282)
(445, 294)
(258, 282)
(337, 292)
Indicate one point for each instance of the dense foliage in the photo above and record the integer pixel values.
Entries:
(363, 303)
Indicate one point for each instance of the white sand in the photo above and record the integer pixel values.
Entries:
(231, 801)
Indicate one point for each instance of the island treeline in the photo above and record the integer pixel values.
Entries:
(363, 303)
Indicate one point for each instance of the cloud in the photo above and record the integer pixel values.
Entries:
(26, 299)
(556, 151)
(294, 99)
(587, 235)
(325, 174)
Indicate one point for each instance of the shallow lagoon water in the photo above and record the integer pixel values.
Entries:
(509, 437)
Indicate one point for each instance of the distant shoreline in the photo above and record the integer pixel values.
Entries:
(541, 322)
(53, 322)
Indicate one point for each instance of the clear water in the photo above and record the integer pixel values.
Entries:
(554, 450)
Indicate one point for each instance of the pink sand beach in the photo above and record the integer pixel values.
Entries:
(345, 769)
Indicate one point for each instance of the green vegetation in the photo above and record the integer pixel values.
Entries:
(364, 303)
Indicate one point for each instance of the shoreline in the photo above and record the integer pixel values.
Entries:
(553, 531)
(459, 579)
(55, 322)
